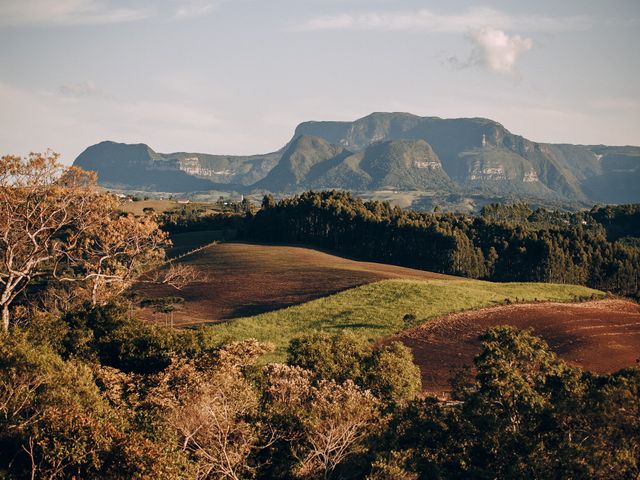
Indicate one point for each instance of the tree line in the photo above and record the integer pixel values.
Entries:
(502, 243)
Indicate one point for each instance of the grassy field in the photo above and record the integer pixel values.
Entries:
(378, 309)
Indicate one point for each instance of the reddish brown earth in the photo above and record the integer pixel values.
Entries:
(247, 279)
(600, 336)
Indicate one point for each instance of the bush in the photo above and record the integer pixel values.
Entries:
(388, 371)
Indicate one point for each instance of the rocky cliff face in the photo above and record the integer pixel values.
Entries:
(396, 151)
(482, 153)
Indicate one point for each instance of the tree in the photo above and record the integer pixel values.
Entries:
(108, 250)
(166, 305)
(388, 371)
(39, 201)
(55, 223)
(332, 420)
(393, 377)
(214, 408)
(175, 275)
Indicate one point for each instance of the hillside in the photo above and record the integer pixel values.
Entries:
(380, 309)
(313, 163)
(304, 160)
(601, 336)
(396, 151)
(247, 279)
(274, 293)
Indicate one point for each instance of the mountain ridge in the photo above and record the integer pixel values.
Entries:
(398, 151)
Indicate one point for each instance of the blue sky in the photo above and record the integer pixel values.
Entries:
(237, 76)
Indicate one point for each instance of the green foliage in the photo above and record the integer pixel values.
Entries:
(618, 220)
(332, 357)
(388, 371)
(528, 415)
(109, 336)
(177, 406)
(55, 423)
(393, 376)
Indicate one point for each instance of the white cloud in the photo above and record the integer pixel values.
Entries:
(496, 50)
(194, 8)
(82, 89)
(425, 19)
(65, 12)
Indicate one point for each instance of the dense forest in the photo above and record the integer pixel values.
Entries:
(504, 243)
(96, 394)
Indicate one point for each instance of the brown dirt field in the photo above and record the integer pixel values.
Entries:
(600, 336)
(248, 279)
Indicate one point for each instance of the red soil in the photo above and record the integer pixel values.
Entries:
(247, 279)
(600, 336)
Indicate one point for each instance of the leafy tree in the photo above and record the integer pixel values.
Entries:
(388, 371)
(55, 223)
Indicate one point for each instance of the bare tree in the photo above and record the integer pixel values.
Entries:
(216, 425)
(336, 418)
(214, 410)
(340, 418)
(176, 275)
(54, 222)
(39, 200)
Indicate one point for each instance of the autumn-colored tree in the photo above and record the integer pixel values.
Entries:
(55, 223)
(39, 201)
(108, 250)
(214, 409)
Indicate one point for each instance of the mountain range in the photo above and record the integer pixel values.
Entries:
(387, 151)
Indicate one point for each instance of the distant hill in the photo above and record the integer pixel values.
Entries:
(389, 151)
(128, 166)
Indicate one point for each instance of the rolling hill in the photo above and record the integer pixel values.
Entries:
(275, 293)
(247, 279)
(601, 336)
(397, 151)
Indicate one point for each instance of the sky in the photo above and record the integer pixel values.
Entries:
(237, 76)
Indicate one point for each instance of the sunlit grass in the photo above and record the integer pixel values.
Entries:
(379, 309)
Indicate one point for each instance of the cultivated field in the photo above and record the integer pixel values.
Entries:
(380, 309)
(601, 336)
(275, 293)
(247, 279)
